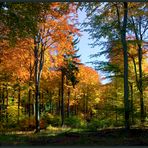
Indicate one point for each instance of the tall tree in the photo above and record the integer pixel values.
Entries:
(139, 26)
(123, 28)
(109, 20)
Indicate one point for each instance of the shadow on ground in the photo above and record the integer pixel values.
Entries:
(108, 137)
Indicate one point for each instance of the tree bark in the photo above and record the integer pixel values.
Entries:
(37, 114)
(7, 96)
(132, 113)
(68, 103)
(30, 91)
(126, 89)
(62, 98)
(59, 101)
(122, 30)
(19, 99)
(140, 84)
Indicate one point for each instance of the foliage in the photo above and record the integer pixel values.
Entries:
(45, 48)
(51, 119)
(28, 124)
(96, 124)
(75, 122)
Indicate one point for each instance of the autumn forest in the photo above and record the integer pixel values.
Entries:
(45, 87)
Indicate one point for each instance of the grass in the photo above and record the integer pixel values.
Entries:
(66, 136)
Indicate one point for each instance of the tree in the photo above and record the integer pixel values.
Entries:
(103, 25)
(139, 26)
(68, 65)
(47, 28)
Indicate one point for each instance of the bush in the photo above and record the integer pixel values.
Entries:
(95, 124)
(30, 124)
(51, 119)
(118, 123)
(75, 122)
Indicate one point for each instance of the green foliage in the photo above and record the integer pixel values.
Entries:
(13, 116)
(75, 122)
(95, 124)
(9, 119)
(51, 119)
(22, 19)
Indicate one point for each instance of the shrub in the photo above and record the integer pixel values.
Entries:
(95, 124)
(10, 119)
(30, 124)
(75, 122)
(51, 119)
(118, 123)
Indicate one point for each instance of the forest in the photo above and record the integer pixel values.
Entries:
(48, 96)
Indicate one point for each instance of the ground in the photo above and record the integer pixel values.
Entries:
(105, 137)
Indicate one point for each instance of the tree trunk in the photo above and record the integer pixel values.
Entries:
(3, 99)
(140, 85)
(7, 96)
(125, 53)
(126, 89)
(37, 114)
(19, 99)
(29, 103)
(68, 103)
(39, 62)
(59, 102)
(132, 113)
(62, 98)
(84, 104)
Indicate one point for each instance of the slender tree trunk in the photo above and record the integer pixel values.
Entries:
(37, 114)
(29, 92)
(19, 99)
(140, 83)
(59, 102)
(7, 96)
(68, 103)
(84, 104)
(126, 89)
(116, 110)
(39, 62)
(29, 104)
(3, 98)
(62, 98)
(132, 113)
(122, 29)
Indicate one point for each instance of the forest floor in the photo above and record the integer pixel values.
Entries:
(105, 137)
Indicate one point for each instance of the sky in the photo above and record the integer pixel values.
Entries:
(85, 50)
